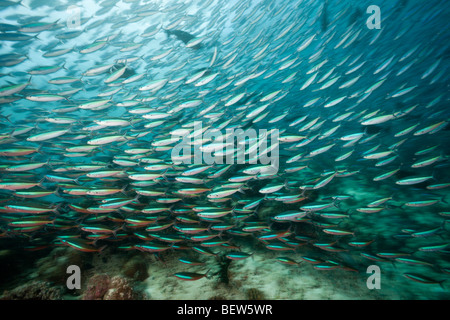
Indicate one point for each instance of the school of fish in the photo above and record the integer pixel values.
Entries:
(92, 99)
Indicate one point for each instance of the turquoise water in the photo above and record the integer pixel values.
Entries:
(121, 154)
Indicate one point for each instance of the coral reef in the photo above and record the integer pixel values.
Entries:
(35, 290)
(119, 289)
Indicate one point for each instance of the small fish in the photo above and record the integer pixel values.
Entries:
(189, 276)
(423, 279)
(338, 232)
(289, 216)
(287, 261)
(237, 255)
(81, 245)
(412, 181)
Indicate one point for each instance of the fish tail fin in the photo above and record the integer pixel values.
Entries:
(336, 203)
(70, 128)
(125, 136)
(48, 163)
(394, 196)
(206, 181)
(57, 190)
(23, 5)
(131, 123)
(286, 184)
(38, 150)
(433, 175)
(165, 177)
(7, 118)
(84, 81)
(123, 189)
(171, 209)
(53, 221)
(118, 229)
(56, 208)
(40, 182)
